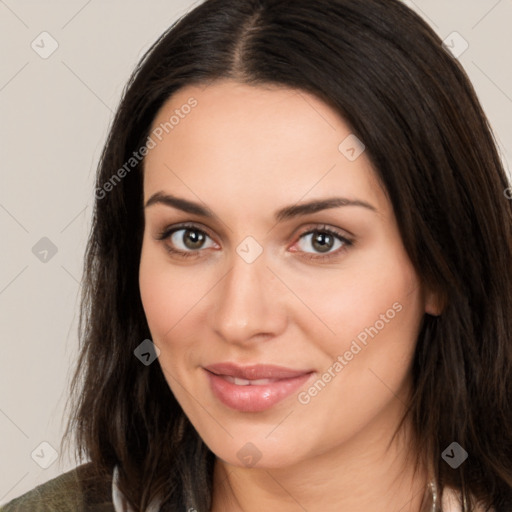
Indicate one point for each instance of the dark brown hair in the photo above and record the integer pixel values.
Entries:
(384, 70)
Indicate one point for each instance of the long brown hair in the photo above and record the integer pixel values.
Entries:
(385, 71)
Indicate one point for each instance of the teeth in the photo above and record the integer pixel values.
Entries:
(245, 382)
(261, 382)
(241, 382)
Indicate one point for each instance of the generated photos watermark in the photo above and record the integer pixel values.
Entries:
(305, 397)
(152, 141)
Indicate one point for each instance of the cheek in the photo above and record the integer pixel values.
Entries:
(380, 299)
(167, 301)
(165, 296)
(154, 292)
(376, 315)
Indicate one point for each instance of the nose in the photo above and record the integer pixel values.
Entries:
(248, 304)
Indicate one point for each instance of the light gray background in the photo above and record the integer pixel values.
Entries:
(54, 117)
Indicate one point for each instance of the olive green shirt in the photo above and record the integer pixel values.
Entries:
(74, 491)
(79, 491)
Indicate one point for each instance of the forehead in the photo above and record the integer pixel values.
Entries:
(254, 142)
(248, 116)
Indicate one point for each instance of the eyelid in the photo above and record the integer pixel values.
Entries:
(169, 230)
(320, 226)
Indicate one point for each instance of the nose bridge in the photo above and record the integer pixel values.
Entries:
(244, 304)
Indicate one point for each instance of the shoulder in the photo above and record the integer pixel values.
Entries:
(78, 490)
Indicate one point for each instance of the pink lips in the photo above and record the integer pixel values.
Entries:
(253, 388)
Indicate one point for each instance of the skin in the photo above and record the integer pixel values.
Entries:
(245, 152)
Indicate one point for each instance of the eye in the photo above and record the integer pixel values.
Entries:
(323, 240)
(186, 240)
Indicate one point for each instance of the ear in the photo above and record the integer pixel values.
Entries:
(434, 302)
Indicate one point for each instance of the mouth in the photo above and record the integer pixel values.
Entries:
(254, 388)
(255, 372)
(247, 382)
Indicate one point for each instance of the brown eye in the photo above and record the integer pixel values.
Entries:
(185, 241)
(191, 238)
(188, 239)
(323, 240)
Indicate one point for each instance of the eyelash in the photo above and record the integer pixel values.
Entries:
(168, 232)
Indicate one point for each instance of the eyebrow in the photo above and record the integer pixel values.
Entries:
(286, 213)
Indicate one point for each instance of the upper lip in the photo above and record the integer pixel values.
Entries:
(255, 372)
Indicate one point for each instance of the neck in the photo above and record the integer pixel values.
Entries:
(369, 472)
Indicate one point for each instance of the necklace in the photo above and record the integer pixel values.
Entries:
(433, 491)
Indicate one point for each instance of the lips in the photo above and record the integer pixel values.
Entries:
(255, 372)
(253, 388)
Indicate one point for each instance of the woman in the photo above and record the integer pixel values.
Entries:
(298, 284)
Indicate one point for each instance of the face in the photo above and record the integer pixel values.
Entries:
(326, 292)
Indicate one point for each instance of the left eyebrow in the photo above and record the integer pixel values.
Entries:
(318, 205)
(286, 213)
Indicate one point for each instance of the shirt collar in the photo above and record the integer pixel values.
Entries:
(119, 500)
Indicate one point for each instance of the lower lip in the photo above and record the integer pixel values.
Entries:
(254, 398)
